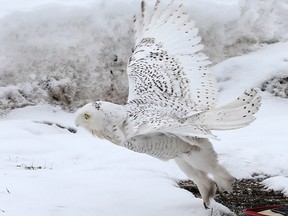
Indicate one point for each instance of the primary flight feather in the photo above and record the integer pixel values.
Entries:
(172, 97)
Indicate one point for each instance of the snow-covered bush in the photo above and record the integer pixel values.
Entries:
(277, 86)
(65, 55)
(70, 54)
(17, 96)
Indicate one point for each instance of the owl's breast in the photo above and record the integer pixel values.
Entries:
(160, 146)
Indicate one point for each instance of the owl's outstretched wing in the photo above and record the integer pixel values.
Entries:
(167, 67)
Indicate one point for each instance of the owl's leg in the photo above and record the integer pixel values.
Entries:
(206, 186)
(206, 160)
(223, 179)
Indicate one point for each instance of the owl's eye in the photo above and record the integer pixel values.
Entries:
(87, 116)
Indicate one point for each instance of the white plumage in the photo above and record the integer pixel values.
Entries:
(171, 107)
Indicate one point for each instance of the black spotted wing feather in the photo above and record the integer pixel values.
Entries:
(166, 66)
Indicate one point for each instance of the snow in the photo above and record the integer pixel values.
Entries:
(48, 170)
(253, 69)
(277, 183)
(78, 174)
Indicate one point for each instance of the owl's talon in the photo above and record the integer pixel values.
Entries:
(205, 206)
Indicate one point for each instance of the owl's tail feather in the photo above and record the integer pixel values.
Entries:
(237, 114)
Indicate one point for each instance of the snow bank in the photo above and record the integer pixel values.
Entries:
(71, 52)
(277, 183)
(255, 70)
(234, 27)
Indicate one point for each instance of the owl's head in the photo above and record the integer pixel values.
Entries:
(86, 117)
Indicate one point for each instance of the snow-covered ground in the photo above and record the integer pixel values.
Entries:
(48, 170)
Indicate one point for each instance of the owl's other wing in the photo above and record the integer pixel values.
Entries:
(166, 67)
(149, 122)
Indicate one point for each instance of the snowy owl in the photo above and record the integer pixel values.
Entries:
(171, 106)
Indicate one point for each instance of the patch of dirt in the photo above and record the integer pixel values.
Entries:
(70, 129)
(32, 167)
(247, 193)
